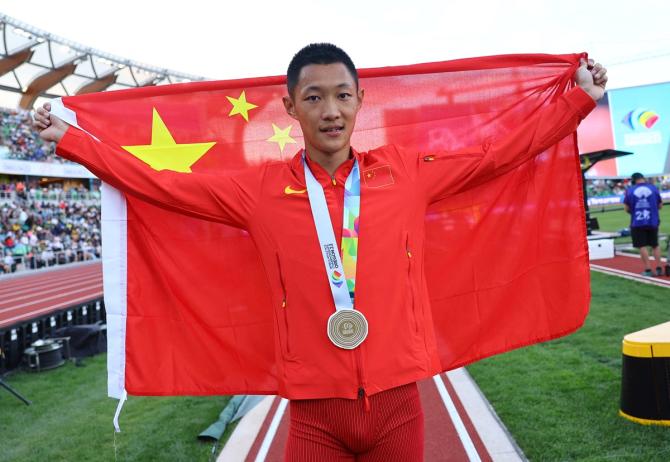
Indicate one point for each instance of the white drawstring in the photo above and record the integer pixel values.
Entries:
(119, 406)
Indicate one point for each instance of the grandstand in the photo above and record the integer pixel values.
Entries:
(50, 233)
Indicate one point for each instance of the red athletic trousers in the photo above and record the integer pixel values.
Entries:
(388, 428)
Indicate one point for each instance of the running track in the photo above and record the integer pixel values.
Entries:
(628, 266)
(34, 294)
(460, 426)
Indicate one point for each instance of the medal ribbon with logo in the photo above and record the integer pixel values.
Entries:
(347, 327)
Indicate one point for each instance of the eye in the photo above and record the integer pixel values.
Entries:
(344, 96)
(312, 98)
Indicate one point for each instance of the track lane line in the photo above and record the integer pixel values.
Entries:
(272, 430)
(463, 434)
(51, 308)
(5, 310)
(48, 282)
(42, 292)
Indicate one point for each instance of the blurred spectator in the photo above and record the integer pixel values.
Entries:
(22, 142)
(617, 187)
(54, 229)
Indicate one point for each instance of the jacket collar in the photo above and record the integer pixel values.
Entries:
(320, 173)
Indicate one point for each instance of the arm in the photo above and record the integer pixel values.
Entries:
(450, 172)
(445, 173)
(229, 199)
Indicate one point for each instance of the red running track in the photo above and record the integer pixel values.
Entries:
(442, 440)
(37, 293)
(630, 267)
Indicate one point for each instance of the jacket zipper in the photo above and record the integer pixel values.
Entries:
(283, 303)
(409, 279)
(358, 357)
(361, 380)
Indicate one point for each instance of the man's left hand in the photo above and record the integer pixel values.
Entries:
(592, 77)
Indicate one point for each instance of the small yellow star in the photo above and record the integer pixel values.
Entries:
(241, 106)
(282, 136)
(164, 153)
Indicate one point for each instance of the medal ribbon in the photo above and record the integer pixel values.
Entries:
(341, 272)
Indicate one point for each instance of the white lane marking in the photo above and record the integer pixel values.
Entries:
(239, 444)
(631, 276)
(468, 445)
(71, 285)
(52, 307)
(55, 269)
(48, 282)
(61, 295)
(269, 436)
(496, 438)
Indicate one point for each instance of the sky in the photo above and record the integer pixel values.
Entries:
(220, 40)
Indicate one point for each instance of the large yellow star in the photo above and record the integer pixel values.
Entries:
(281, 136)
(241, 106)
(164, 153)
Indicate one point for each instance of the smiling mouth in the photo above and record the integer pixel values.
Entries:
(332, 130)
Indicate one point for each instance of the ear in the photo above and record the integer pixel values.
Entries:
(289, 106)
(360, 95)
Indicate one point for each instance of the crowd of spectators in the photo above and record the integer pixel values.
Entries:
(46, 226)
(617, 187)
(19, 141)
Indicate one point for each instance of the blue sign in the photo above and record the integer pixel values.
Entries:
(641, 125)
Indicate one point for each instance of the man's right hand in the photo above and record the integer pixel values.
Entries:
(51, 128)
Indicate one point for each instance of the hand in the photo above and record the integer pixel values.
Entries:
(592, 77)
(51, 128)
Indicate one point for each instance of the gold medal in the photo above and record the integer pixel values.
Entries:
(347, 328)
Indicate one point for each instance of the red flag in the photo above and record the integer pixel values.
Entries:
(191, 302)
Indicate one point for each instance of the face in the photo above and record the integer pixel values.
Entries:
(325, 102)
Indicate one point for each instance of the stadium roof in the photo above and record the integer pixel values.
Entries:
(36, 65)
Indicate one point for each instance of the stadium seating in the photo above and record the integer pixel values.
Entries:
(20, 141)
(47, 226)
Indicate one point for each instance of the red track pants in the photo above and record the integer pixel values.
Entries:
(389, 428)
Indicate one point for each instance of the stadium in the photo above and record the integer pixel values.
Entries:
(559, 400)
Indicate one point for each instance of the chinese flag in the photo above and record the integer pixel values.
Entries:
(187, 299)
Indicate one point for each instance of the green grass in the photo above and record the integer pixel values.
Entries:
(560, 399)
(616, 219)
(71, 420)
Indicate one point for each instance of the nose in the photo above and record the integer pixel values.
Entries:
(331, 110)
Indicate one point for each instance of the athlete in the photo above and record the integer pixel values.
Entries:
(353, 386)
(643, 202)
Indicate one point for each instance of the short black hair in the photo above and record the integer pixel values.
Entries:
(317, 53)
(636, 176)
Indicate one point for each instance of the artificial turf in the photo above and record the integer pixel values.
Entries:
(71, 420)
(560, 399)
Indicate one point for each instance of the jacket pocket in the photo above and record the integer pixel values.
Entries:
(283, 315)
(410, 282)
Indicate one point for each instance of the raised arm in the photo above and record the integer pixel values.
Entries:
(449, 172)
(228, 199)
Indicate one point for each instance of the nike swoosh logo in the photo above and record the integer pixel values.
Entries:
(290, 190)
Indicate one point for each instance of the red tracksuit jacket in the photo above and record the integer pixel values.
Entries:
(270, 202)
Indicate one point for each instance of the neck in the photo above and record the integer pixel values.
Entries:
(329, 162)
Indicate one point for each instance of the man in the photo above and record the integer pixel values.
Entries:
(347, 402)
(642, 202)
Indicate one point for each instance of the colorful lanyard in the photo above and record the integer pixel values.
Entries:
(349, 329)
(339, 269)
